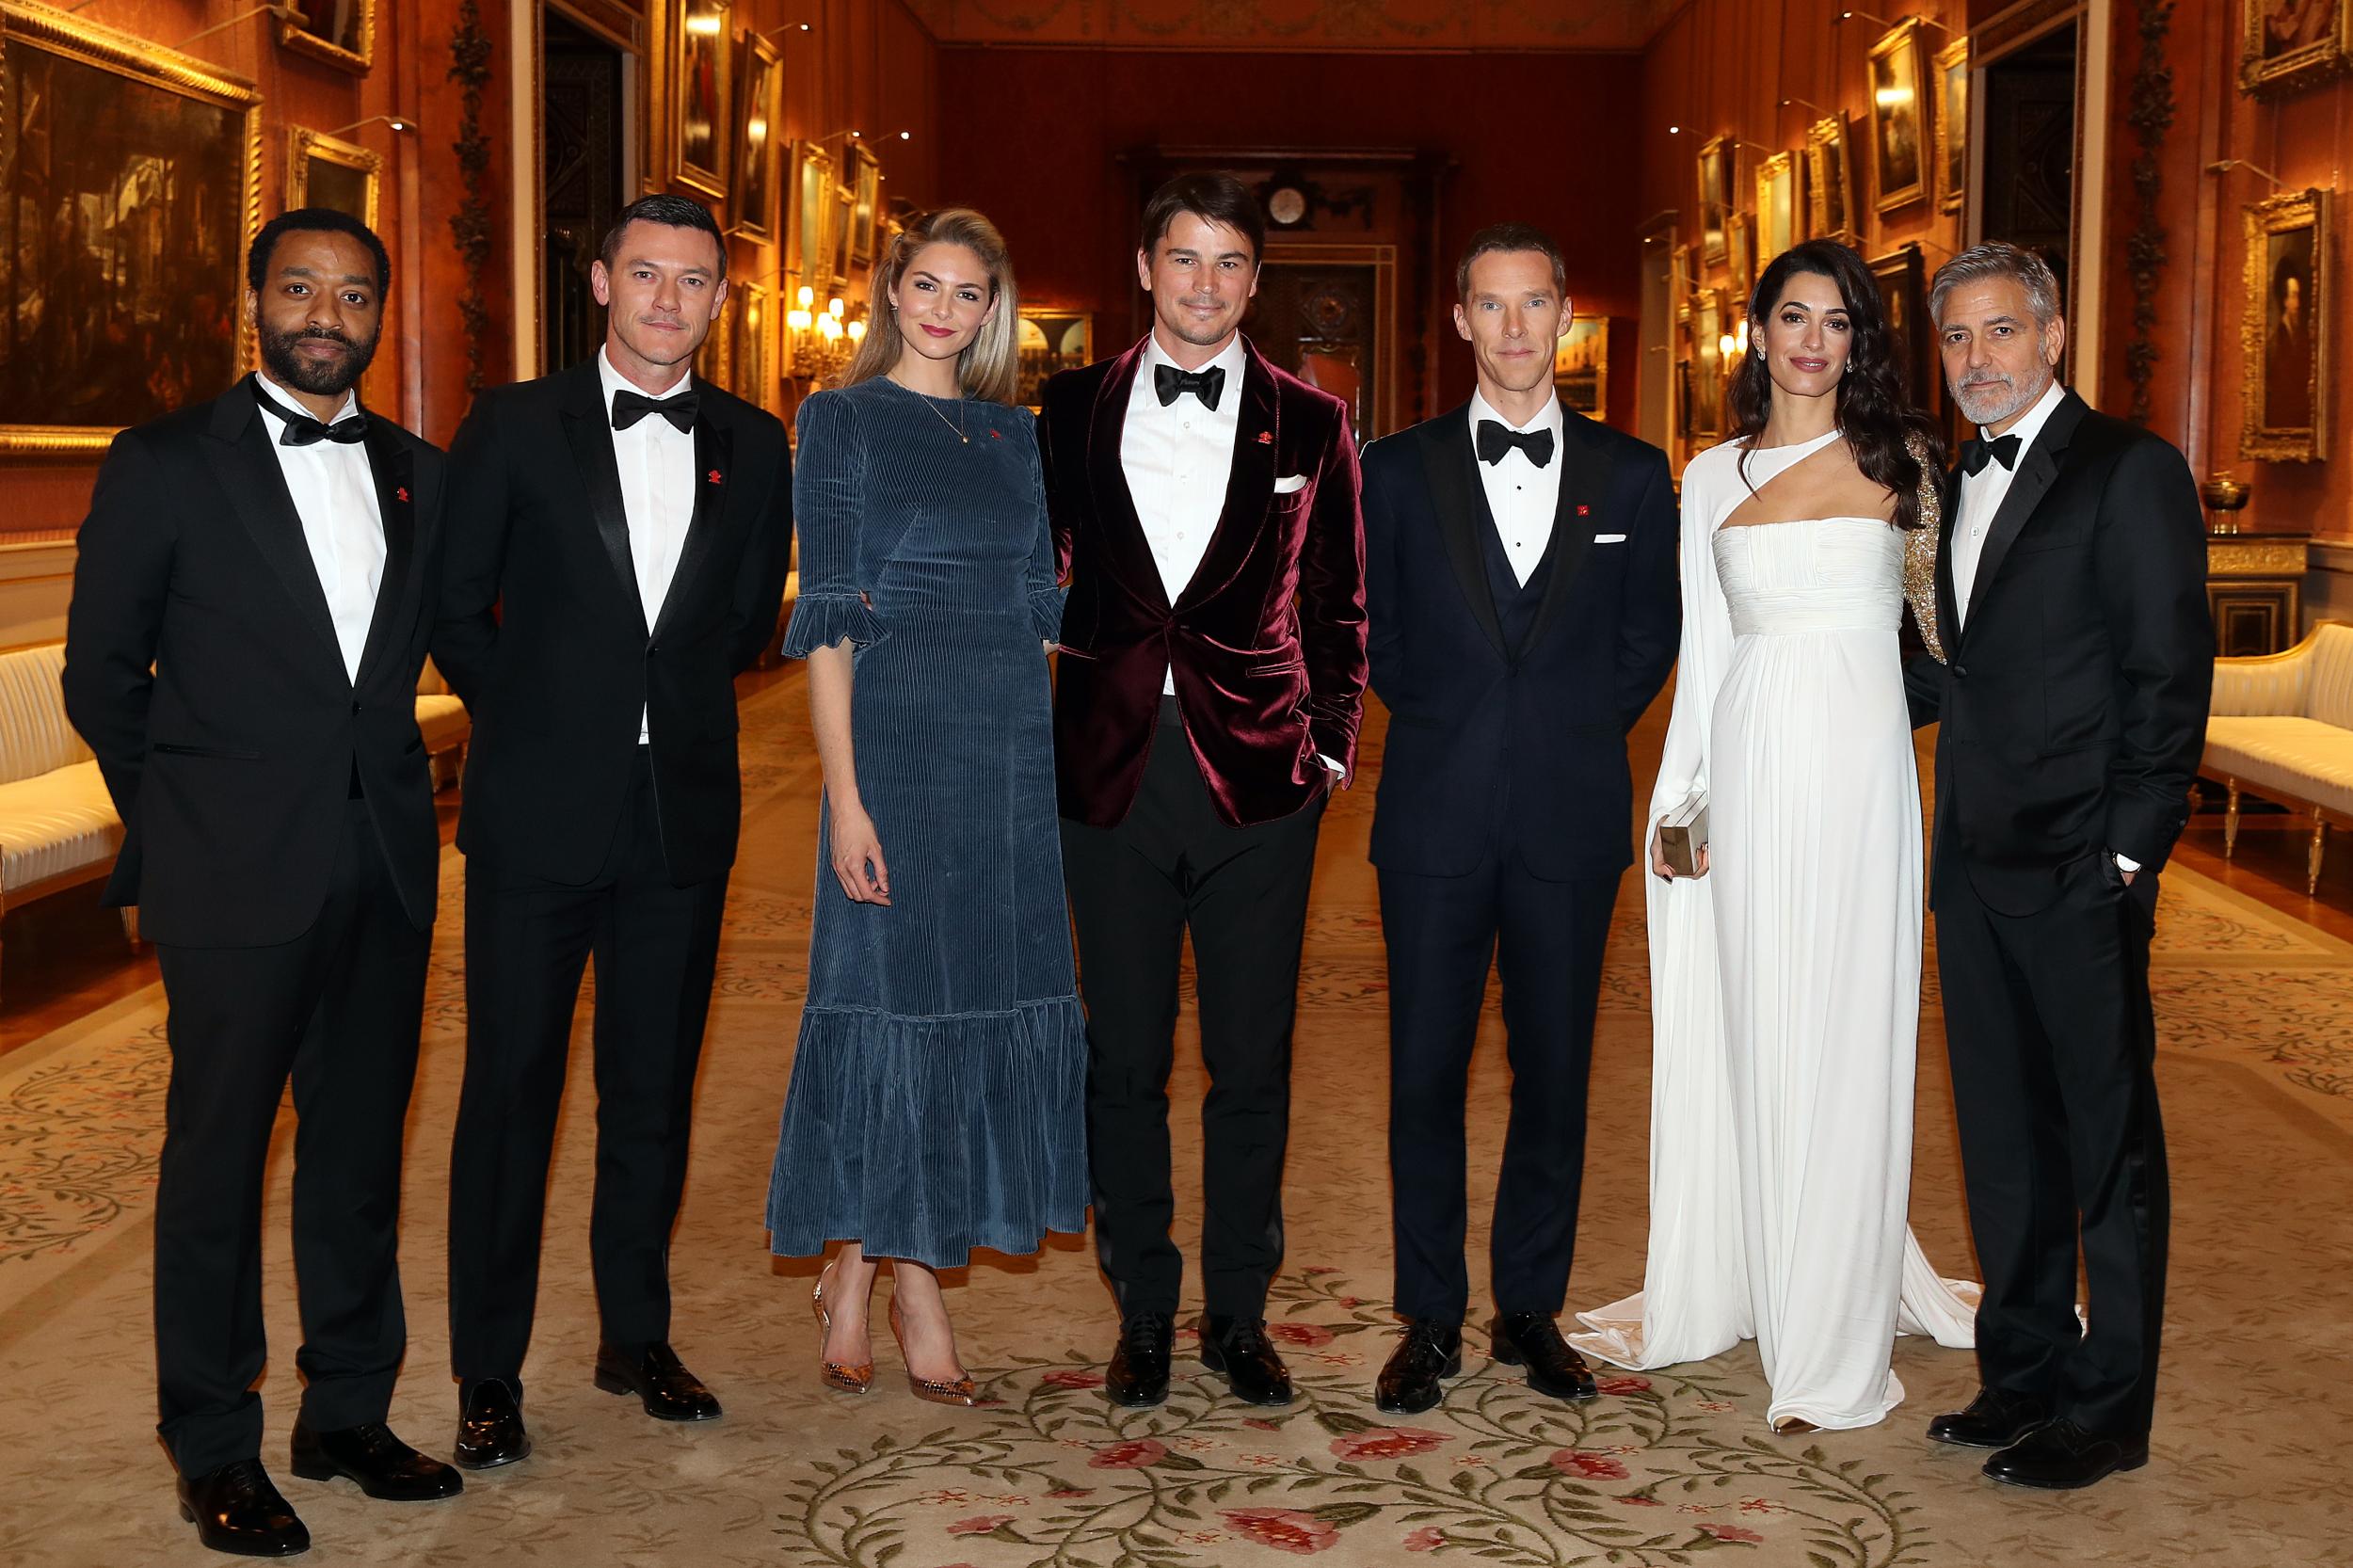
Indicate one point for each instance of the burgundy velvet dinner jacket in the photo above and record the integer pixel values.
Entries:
(1267, 641)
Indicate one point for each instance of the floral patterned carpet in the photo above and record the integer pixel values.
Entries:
(2256, 1015)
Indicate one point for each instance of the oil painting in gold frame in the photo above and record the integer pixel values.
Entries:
(752, 201)
(1952, 125)
(1716, 201)
(701, 92)
(1900, 148)
(1780, 205)
(2288, 45)
(2284, 336)
(143, 167)
(1830, 181)
(1580, 365)
(341, 32)
(321, 171)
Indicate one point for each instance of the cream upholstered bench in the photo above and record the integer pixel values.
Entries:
(57, 826)
(442, 719)
(2282, 726)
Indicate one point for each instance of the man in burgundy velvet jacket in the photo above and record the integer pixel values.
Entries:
(1211, 679)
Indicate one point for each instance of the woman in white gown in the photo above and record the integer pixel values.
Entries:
(1786, 976)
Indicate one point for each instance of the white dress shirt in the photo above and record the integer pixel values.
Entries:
(1179, 459)
(333, 487)
(656, 460)
(1521, 497)
(1981, 495)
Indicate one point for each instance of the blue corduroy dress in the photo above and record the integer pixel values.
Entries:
(938, 1098)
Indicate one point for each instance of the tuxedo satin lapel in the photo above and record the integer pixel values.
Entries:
(1249, 487)
(1947, 617)
(241, 458)
(2038, 470)
(714, 451)
(1576, 515)
(588, 430)
(1124, 548)
(393, 470)
(1451, 470)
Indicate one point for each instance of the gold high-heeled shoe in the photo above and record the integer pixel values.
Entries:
(839, 1375)
(957, 1391)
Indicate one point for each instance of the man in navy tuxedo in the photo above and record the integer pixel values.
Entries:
(1521, 595)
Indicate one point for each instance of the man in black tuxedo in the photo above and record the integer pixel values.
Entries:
(619, 535)
(2072, 597)
(1520, 588)
(251, 600)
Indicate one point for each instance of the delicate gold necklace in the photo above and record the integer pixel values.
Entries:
(956, 423)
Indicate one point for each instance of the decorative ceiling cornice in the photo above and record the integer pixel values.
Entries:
(1300, 25)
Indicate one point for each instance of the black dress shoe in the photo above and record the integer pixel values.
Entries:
(2061, 1456)
(1412, 1381)
(489, 1424)
(1241, 1351)
(384, 1467)
(1138, 1377)
(667, 1390)
(1995, 1418)
(1533, 1339)
(236, 1509)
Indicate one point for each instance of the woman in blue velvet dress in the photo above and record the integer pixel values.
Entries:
(937, 1099)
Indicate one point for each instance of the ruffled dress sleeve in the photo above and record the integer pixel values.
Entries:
(828, 506)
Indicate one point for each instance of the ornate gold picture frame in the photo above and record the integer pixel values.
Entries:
(1580, 365)
(865, 201)
(1050, 342)
(1830, 181)
(701, 92)
(321, 171)
(2286, 330)
(341, 32)
(1952, 125)
(1715, 190)
(2288, 45)
(1900, 148)
(754, 377)
(144, 169)
(808, 237)
(1780, 205)
(760, 108)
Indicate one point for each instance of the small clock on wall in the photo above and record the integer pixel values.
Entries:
(1290, 200)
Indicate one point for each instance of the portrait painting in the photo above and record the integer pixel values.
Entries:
(2289, 45)
(1780, 203)
(1899, 150)
(1580, 365)
(1050, 342)
(752, 201)
(2286, 328)
(131, 180)
(1741, 255)
(699, 94)
(1952, 124)
(341, 32)
(1830, 181)
(1715, 177)
(808, 239)
(839, 232)
(865, 198)
(752, 327)
(1706, 360)
(1902, 276)
(321, 171)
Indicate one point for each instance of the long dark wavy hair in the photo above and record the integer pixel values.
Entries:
(1890, 439)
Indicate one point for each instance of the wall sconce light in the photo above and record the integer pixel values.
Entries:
(823, 341)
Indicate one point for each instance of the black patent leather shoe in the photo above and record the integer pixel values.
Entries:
(2061, 1457)
(1995, 1418)
(1138, 1376)
(1414, 1379)
(1241, 1351)
(236, 1509)
(1533, 1339)
(489, 1426)
(385, 1467)
(662, 1385)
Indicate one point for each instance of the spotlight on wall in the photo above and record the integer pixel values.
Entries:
(398, 121)
(1804, 104)
(2229, 163)
(270, 7)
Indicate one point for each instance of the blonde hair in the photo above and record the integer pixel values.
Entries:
(987, 366)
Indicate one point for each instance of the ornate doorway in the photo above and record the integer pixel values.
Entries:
(1323, 312)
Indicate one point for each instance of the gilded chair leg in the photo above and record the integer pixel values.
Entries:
(2311, 856)
(2229, 819)
(131, 928)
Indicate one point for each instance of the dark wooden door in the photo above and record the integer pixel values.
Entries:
(1321, 322)
(580, 183)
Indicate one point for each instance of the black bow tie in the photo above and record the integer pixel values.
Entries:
(1976, 454)
(1171, 383)
(302, 431)
(679, 408)
(1495, 439)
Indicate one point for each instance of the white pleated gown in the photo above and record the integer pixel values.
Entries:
(1785, 984)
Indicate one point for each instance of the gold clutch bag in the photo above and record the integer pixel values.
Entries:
(1683, 834)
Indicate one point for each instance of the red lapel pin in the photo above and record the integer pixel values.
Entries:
(1266, 438)
(401, 494)
(712, 476)
(996, 436)
(1583, 510)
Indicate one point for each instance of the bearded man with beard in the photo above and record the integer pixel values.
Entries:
(251, 604)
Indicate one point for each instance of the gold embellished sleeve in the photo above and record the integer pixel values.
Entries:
(1920, 551)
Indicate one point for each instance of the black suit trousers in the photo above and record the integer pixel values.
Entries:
(1172, 864)
(338, 1009)
(1545, 941)
(2053, 1042)
(656, 947)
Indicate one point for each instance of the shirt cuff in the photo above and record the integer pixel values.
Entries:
(2125, 862)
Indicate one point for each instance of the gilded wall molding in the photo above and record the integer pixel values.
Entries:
(470, 225)
(2149, 112)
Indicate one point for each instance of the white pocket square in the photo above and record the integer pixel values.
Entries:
(1290, 484)
(1609, 539)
